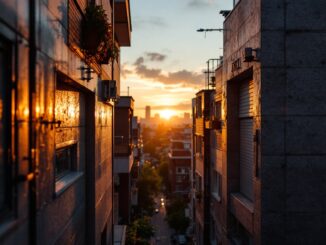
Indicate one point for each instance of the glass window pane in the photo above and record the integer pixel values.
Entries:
(64, 161)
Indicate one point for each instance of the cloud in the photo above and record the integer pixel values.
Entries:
(183, 77)
(200, 3)
(156, 56)
(151, 21)
(125, 71)
(145, 72)
(139, 61)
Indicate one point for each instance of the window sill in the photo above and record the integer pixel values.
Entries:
(216, 196)
(245, 202)
(65, 182)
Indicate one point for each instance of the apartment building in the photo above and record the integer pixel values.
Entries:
(272, 146)
(56, 116)
(204, 144)
(124, 158)
(180, 161)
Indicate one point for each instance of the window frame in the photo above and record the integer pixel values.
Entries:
(216, 185)
(73, 165)
(69, 177)
(64, 181)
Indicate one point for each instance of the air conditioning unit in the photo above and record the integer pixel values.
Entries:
(109, 90)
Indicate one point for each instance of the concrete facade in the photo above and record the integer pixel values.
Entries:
(60, 122)
(288, 115)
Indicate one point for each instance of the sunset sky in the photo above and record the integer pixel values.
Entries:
(164, 65)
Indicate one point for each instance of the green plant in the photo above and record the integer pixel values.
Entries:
(176, 217)
(149, 185)
(96, 35)
(140, 231)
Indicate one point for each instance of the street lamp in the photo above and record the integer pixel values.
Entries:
(211, 29)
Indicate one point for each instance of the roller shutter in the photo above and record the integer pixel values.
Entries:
(246, 139)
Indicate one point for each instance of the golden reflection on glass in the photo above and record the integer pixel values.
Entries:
(71, 112)
(67, 107)
(50, 111)
(25, 113)
(37, 111)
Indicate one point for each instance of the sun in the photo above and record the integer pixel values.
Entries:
(167, 114)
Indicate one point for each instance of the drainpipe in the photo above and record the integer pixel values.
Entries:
(31, 131)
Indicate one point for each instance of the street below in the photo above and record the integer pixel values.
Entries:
(162, 229)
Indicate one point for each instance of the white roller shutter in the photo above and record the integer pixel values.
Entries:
(246, 139)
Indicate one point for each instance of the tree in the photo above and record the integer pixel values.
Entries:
(176, 217)
(163, 170)
(139, 232)
(149, 185)
(178, 221)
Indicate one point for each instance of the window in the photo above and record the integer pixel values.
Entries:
(246, 139)
(199, 106)
(179, 178)
(217, 110)
(187, 146)
(182, 170)
(216, 185)
(198, 144)
(198, 183)
(69, 134)
(5, 128)
(65, 160)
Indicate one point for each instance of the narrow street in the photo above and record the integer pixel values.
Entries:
(162, 229)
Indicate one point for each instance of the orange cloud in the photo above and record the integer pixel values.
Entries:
(183, 77)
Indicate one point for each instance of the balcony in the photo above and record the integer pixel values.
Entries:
(122, 146)
(122, 22)
(123, 163)
(179, 154)
(122, 150)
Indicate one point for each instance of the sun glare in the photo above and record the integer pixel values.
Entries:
(167, 114)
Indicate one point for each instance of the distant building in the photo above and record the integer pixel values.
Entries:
(186, 116)
(148, 112)
(180, 161)
(203, 148)
(125, 146)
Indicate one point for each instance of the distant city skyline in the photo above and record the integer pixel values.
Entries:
(164, 113)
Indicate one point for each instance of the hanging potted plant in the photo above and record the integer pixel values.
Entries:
(96, 34)
(111, 53)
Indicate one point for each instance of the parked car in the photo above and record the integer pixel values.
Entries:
(181, 239)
